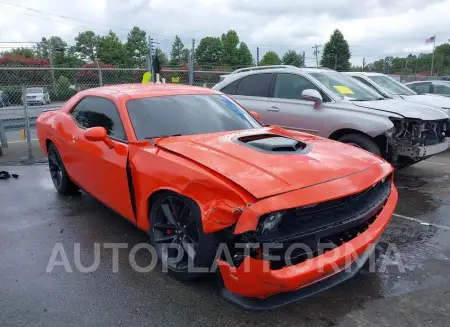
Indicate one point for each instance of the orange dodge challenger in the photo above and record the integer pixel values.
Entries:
(215, 189)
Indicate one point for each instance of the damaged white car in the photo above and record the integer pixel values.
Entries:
(330, 104)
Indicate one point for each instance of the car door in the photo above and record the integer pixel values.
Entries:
(286, 107)
(252, 91)
(96, 168)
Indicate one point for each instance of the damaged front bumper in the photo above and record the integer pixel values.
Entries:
(417, 151)
(255, 284)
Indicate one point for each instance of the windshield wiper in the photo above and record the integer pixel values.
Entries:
(150, 138)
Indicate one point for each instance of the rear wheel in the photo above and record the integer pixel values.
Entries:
(58, 172)
(361, 141)
(177, 235)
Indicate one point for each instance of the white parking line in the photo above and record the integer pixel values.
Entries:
(422, 222)
(436, 163)
(24, 141)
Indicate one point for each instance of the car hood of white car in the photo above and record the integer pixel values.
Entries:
(404, 108)
(431, 100)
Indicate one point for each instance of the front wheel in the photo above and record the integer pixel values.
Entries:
(361, 141)
(177, 235)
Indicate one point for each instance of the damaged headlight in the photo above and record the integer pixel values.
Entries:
(269, 222)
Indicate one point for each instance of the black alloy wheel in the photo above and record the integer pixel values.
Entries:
(175, 233)
(58, 172)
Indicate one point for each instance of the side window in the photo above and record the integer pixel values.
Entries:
(290, 86)
(441, 89)
(421, 88)
(96, 111)
(362, 80)
(257, 85)
(231, 88)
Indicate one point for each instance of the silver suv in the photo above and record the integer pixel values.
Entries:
(333, 105)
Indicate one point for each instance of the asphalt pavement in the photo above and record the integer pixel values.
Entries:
(34, 218)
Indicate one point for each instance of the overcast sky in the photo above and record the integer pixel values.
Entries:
(373, 28)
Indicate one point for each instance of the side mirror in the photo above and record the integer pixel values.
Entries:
(314, 96)
(98, 134)
(255, 115)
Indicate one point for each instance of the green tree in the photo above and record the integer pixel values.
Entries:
(163, 60)
(292, 58)
(230, 51)
(26, 52)
(270, 58)
(244, 55)
(336, 52)
(209, 51)
(86, 44)
(137, 47)
(179, 53)
(111, 50)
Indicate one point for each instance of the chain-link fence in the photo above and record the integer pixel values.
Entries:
(30, 90)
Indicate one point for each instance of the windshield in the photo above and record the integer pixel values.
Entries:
(187, 115)
(345, 86)
(34, 90)
(391, 85)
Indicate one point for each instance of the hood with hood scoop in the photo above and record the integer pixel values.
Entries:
(271, 161)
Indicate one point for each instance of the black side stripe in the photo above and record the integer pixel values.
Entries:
(131, 187)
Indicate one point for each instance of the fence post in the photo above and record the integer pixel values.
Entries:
(3, 140)
(27, 122)
(100, 76)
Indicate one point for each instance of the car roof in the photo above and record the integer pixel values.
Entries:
(364, 73)
(136, 91)
(429, 81)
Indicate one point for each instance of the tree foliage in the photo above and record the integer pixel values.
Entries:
(336, 53)
(86, 44)
(209, 51)
(163, 60)
(245, 57)
(179, 54)
(270, 58)
(230, 52)
(292, 58)
(110, 49)
(136, 47)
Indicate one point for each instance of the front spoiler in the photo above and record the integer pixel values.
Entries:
(282, 299)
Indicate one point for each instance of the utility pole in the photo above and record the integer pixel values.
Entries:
(52, 70)
(335, 61)
(316, 53)
(303, 59)
(432, 57)
(191, 64)
(150, 57)
(364, 63)
(257, 56)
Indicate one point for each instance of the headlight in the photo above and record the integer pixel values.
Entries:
(270, 221)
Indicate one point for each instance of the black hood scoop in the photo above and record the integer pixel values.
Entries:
(273, 143)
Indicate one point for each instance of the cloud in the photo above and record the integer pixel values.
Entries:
(373, 28)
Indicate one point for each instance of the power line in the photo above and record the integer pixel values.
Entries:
(62, 16)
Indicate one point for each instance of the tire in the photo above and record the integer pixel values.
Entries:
(205, 248)
(362, 142)
(58, 173)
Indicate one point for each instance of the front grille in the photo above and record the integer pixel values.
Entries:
(313, 249)
(330, 217)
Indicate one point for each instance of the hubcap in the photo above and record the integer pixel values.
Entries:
(55, 166)
(175, 233)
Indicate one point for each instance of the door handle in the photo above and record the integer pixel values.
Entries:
(273, 109)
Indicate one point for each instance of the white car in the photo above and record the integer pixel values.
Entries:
(390, 88)
(37, 95)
